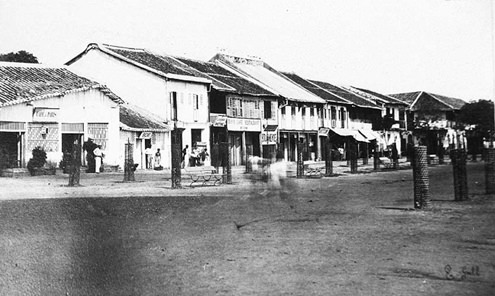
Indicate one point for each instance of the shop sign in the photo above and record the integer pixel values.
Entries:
(220, 121)
(271, 136)
(145, 135)
(244, 124)
(323, 131)
(45, 114)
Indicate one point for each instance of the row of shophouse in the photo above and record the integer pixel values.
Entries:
(119, 95)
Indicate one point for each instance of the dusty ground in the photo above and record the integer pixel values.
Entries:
(348, 235)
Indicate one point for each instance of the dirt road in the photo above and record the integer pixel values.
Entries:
(349, 235)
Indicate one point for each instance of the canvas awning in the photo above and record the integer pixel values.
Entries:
(271, 128)
(343, 132)
(369, 134)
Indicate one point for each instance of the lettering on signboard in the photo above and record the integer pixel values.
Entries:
(45, 114)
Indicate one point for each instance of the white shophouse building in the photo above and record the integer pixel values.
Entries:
(157, 83)
(51, 107)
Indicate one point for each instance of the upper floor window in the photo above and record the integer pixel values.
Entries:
(267, 109)
(173, 104)
(293, 110)
(334, 113)
(312, 111)
(195, 101)
(282, 110)
(303, 111)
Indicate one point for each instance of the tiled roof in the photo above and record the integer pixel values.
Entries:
(315, 89)
(262, 74)
(154, 61)
(451, 103)
(347, 95)
(409, 97)
(387, 98)
(21, 82)
(162, 65)
(137, 119)
(226, 80)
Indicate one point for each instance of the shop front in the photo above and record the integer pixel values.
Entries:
(290, 139)
(244, 139)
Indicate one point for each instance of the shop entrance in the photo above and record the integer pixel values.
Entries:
(68, 141)
(9, 149)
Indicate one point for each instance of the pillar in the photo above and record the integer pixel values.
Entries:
(300, 161)
(490, 170)
(328, 159)
(129, 162)
(176, 149)
(421, 178)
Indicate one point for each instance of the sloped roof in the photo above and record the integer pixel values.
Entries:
(134, 118)
(20, 82)
(162, 65)
(260, 73)
(315, 89)
(452, 102)
(224, 79)
(409, 97)
(388, 99)
(347, 95)
(449, 102)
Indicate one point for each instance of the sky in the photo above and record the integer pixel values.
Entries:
(389, 46)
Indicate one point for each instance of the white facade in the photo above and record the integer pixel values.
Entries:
(152, 92)
(49, 122)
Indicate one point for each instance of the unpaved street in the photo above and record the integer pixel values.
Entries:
(347, 235)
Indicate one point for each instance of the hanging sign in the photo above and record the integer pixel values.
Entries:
(145, 135)
(269, 138)
(220, 121)
(45, 114)
(323, 131)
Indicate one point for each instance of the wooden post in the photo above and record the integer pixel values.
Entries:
(458, 158)
(300, 160)
(328, 159)
(226, 167)
(75, 165)
(176, 148)
(376, 158)
(490, 170)
(129, 162)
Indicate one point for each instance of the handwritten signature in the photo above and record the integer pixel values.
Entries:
(473, 270)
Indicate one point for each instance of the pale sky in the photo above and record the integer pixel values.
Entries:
(389, 46)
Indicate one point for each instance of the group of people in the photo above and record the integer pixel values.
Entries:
(153, 160)
(94, 156)
(197, 157)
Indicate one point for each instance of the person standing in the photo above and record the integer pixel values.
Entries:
(89, 146)
(98, 154)
(184, 158)
(158, 158)
(149, 157)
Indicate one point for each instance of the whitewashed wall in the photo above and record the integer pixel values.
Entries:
(90, 106)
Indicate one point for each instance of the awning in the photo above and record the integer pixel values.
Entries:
(369, 134)
(343, 132)
(270, 128)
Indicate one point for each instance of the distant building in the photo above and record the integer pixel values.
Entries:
(433, 120)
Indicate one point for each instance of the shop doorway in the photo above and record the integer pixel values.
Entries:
(9, 149)
(68, 141)
(195, 137)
